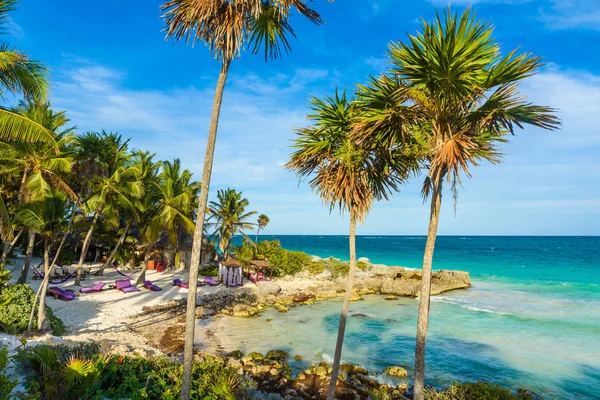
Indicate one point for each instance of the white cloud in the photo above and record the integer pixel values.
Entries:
(544, 172)
(571, 14)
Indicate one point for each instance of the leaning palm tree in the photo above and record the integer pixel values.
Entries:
(229, 217)
(345, 173)
(262, 223)
(227, 27)
(47, 217)
(20, 76)
(451, 94)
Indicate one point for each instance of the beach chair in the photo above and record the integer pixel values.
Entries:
(258, 277)
(96, 288)
(151, 286)
(59, 293)
(180, 283)
(210, 281)
(125, 286)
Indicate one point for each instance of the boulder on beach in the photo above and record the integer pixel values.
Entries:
(396, 371)
(267, 287)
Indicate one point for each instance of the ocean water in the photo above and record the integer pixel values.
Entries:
(531, 319)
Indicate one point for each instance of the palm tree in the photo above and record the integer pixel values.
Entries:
(48, 218)
(229, 217)
(262, 223)
(226, 27)
(19, 75)
(347, 174)
(451, 94)
(117, 190)
(39, 166)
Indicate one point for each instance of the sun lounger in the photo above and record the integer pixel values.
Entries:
(151, 286)
(125, 286)
(178, 282)
(257, 277)
(59, 293)
(210, 281)
(96, 288)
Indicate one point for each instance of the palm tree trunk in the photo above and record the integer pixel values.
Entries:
(257, 232)
(425, 294)
(342, 328)
(110, 258)
(190, 319)
(142, 276)
(63, 240)
(42, 323)
(47, 275)
(25, 269)
(8, 246)
(85, 247)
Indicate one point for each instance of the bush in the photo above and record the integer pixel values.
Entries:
(316, 268)
(6, 385)
(15, 307)
(81, 376)
(336, 267)
(4, 276)
(363, 266)
(295, 261)
(474, 391)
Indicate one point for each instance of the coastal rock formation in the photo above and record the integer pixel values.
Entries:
(396, 371)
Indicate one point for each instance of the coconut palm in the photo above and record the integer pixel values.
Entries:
(451, 93)
(227, 27)
(47, 217)
(262, 223)
(39, 166)
(229, 217)
(117, 190)
(346, 174)
(20, 76)
(141, 208)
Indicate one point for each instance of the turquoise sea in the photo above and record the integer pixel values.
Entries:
(531, 319)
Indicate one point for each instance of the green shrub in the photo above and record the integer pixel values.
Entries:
(474, 391)
(336, 267)
(4, 276)
(295, 261)
(6, 385)
(363, 266)
(15, 307)
(60, 372)
(316, 268)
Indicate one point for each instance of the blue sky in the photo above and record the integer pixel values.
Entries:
(113, 70)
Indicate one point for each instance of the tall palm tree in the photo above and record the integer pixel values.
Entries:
(47, 217)
(229, 217)
(20, 76)
(262, 223)
(453, 95)
(345, 173)
(227, 27)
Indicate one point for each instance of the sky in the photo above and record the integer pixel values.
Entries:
(112, 69)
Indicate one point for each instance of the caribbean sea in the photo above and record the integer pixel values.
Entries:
(531, 319)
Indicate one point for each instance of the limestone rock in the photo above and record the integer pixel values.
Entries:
(396, 371)
(400, 287)
(268, 288)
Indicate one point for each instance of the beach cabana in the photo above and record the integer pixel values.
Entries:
(230, 273)
(259, 267)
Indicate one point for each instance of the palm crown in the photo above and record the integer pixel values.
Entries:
(453, 95)
(229, 216)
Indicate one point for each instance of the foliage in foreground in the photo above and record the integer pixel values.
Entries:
(15, 307)
(66, 373)
(475, 391)
(6, 385)
(286, 262)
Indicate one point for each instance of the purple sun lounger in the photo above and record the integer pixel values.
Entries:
(151, 286)
(181, 284)
(59, 293)
(125, 286)
(96, 288)
(210, 281)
